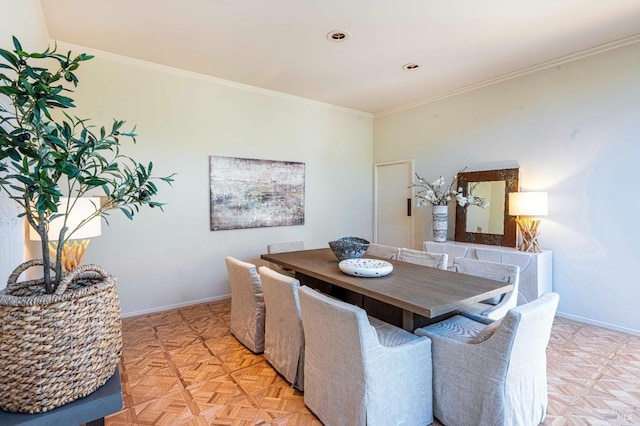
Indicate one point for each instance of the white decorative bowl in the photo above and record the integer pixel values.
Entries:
(366, 268)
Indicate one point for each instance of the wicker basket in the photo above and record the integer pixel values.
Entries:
(56, 348)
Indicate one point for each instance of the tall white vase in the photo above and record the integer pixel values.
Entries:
(440, 223)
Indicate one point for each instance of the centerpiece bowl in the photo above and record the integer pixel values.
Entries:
(349, 247)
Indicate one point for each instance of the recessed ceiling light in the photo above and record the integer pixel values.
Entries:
(338, 35)
(411, 66)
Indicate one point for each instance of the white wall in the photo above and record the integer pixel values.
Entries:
(574, 130)
(172, 258)
(23, 19)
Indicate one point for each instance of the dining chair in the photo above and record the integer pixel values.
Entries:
(452, 250)
(247, 304)
(424, 258)
(496, 307)
(381, 250)
(283, 248)
(362, 371)
(492, 374)
(284, 337)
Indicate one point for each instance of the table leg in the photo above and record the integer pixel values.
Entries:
(407, 321)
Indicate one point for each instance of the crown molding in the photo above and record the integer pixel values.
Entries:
(127, 60)
(519, 73)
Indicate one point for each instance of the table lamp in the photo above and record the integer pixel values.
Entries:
(526, 205)
(72, 254)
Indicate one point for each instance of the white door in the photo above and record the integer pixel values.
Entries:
(393, 223)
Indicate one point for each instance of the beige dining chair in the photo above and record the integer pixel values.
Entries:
(492, 374)
(452, 250)
(284, 337)
(283, 248)
(381, 250)
(495, 308)
(362, 371)
(424, 258)
(247, 304)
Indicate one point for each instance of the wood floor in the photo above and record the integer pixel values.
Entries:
(182, 367)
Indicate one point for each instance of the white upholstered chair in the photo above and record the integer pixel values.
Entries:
(284, 337)
(495, 308)
(452, 250)
(424, 258)
(283, 248)
(362, 371)
(380, 250)
(492, 374)
(247, 304)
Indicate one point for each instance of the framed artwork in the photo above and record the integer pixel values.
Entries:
(249, 193)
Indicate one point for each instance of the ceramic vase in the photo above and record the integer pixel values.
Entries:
(440, 223)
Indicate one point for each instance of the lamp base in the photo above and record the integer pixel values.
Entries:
(529, 232)
(72, 254)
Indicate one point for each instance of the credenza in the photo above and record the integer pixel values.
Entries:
(535, 268)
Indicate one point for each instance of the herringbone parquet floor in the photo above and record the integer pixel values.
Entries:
(183, 367)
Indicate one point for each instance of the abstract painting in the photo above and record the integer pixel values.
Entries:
(250, 193)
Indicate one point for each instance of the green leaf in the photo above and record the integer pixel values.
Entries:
(10, 90)
(10, 57)
(16, 43)
(127, 212)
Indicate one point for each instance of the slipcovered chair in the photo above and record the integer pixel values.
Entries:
(283, 248)
(495, 308)
(492, 374)
(284, 338)
(452, 250)
(424, 258)
(380, 250)
(247, 304)
(362, 371)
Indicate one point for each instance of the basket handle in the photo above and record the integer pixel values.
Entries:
(90, 269)
(12, 281)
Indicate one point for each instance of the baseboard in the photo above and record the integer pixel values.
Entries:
(175, 306)
(599, 323)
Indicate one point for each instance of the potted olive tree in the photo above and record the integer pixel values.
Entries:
(61, 334)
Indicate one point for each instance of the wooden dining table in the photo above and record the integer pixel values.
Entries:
(410, 296)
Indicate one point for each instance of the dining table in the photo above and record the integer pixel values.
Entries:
(409, 297)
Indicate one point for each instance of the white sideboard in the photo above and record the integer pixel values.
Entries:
(535, 268)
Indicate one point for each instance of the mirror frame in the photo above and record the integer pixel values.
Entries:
(508, 238)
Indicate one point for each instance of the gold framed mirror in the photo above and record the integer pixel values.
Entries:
(492, 225)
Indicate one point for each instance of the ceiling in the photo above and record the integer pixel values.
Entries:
(281, 45)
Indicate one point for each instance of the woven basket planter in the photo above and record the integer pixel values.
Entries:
(56, 348)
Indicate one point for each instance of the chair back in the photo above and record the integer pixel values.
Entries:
(247, 304)
(424, 258)
(452, 250)
(336, 336)
(285, 247)
(284, 337)
(493, 271)
(528, 327)
(380, 250)
(524, 334)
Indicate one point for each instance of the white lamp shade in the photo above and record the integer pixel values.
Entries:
(528, 204)
(82, 209)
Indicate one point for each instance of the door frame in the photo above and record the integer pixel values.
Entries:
(411, 164)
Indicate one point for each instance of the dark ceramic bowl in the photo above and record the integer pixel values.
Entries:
(349, 247)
